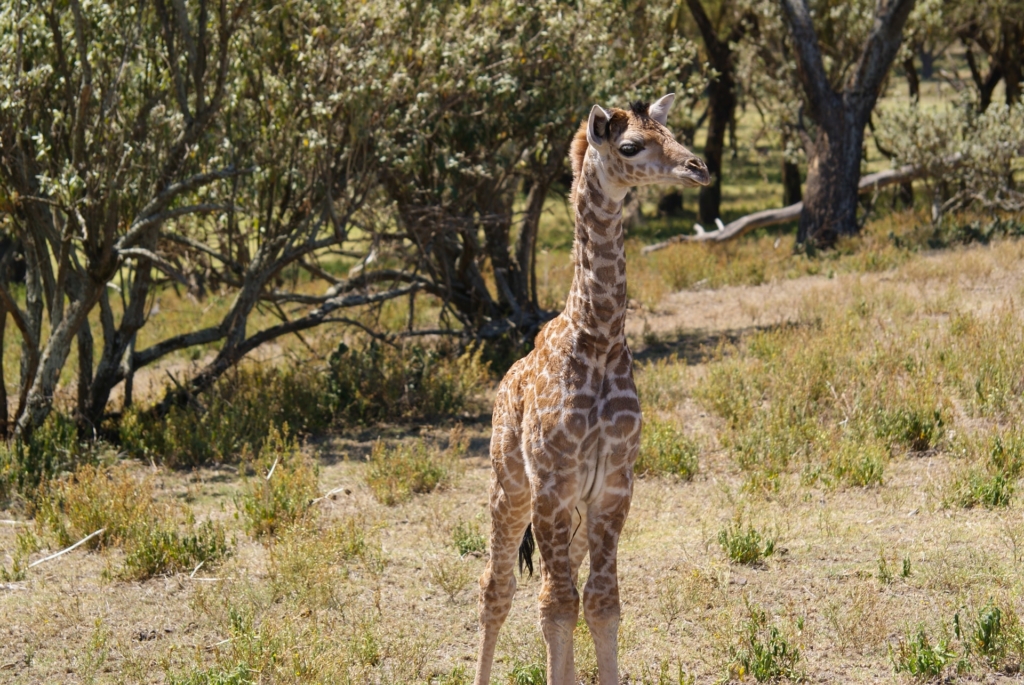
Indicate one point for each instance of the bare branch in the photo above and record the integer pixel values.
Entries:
(771, 217)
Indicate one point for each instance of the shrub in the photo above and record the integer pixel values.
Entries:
(233, 417)
(745, 545)
(160, 550)
(664, 450)
(395, 474)
(240, 674)
(467, 539)
(914, 428)
(978, 486)
(53, 449)
(917, 656)
(156, 539)
(384, 382)
(764, 653)
(279, 492)
(95, 498)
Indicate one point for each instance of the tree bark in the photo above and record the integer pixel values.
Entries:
(4, 417)
(913, 83)
(721, 105)
(833, 170)
(791, 183)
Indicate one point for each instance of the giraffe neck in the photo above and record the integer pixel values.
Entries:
(597, 298)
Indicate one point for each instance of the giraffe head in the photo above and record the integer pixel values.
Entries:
(635, 148)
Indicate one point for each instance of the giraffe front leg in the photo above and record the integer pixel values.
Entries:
(559, 602)
(605, 520)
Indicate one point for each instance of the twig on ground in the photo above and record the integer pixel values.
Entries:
(78, 544)
(328, 494)
(12, 522)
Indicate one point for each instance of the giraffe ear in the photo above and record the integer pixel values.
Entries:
(597, 126)
(659, 110)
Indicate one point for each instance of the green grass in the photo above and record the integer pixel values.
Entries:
(397, 473)
(764, 652)
(745, 545)
(280, 489)
(666, 451)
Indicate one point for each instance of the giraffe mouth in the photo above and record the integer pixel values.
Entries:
(692, 172)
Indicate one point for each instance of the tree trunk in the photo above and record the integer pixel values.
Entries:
(791, 184)
(913, 83)
(721, 105)
(833, 170)
(830, 197)
(86, 428)
(3, 380)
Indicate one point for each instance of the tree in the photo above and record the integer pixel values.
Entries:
(722, 96)
(840, 115)
(301, 159)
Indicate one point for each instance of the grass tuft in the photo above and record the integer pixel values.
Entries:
(918, 656)
(764, 653)
(279, 491)
(397, 473)
(745, 545)
(666, 451)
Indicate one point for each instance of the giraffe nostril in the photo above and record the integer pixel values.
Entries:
(696, 164)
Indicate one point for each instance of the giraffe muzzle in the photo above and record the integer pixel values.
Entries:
(693, 172)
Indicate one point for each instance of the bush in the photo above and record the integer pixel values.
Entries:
(95, 498)
(282, 486)
(917, 656)
(664, 450)
(914, 428)
(395, 474)
(160, 550)
(384, 382)
(976, 486)
(745, 545)
(235, 416)
(112, 499)
(467, 539)
(53, 449)
(764, 653)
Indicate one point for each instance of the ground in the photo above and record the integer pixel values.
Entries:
(855, 573)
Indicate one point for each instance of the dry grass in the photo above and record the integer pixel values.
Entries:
(847, 436)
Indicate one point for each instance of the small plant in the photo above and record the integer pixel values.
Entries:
(664, 450)
(396, 474)
(917, 656)
(383, 382)
(764, 653)
(467, 538)
(53, 448)
(95, 498)
(240, 674)
(885, 575)
(915, 428)
(159, 550)
(978, 486)
(279, 493)
(451, 574)
(745, 545)
(527, 674)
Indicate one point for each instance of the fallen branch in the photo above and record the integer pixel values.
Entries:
(78, 544)
(770, 217)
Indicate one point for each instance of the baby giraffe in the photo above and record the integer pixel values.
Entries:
(567, 419)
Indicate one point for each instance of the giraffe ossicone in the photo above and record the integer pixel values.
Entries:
(566, 422)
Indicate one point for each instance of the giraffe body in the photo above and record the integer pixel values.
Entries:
(566, 422)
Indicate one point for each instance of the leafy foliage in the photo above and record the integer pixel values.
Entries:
(281, 488)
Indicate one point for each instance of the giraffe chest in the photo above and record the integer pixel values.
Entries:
(583, 423)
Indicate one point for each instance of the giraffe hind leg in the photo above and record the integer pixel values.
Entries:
(510, 516)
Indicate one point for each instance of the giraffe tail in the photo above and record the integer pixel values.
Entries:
(526, 551)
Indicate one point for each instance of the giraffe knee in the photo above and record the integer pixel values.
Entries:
(601, 606)
(560, 608)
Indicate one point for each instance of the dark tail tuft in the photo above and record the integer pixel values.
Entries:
(526, 551)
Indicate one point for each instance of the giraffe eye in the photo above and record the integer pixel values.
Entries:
(629, 149)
